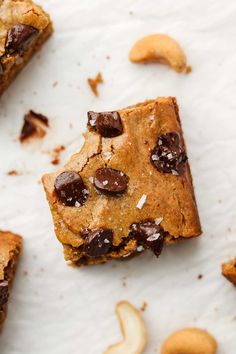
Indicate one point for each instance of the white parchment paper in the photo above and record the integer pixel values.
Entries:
(56, 309)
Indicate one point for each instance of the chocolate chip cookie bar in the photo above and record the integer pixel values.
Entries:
(128, 189)
(229, 271)
(24, 27)
(10, 248)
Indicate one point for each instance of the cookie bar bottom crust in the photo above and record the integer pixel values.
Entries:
(229, 271)
(10, 249)
(6, 79)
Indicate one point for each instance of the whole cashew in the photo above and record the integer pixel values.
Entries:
(189, 341)
(161, 48)
(133, 330)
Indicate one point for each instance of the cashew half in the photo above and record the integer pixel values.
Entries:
(189, 341)
(161, 48)
(133, 330)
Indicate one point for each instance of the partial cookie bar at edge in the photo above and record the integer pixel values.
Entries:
(24, 27)
(229, 271)
(128, 189)
(10, 249)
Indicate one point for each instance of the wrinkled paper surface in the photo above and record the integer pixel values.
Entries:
(56, 309)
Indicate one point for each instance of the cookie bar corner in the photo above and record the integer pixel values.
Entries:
(10, 249)
(24, 27)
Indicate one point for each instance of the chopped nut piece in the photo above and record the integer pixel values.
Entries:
(189, 341)
(160, 48)
(133, 329)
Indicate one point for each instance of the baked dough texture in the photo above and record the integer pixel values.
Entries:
(153, 200)
(10, 248)
(24, 27)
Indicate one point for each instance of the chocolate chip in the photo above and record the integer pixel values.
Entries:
(107, 124)
(97, 242)
(1, 68)
(70, 189)
(32, 125)
(4, 293)
(169, 156)
(149, 235)
(108, 180)
(19, 38)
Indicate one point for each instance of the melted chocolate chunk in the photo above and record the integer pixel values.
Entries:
(1, 68)
(31, 125)
(169, 156)
(97, 242)
(19, 38)
(70, 189)
(149, 235)
(4, 293)
(108, 180)
(107, 124)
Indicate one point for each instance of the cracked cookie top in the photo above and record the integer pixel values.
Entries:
(127, 188)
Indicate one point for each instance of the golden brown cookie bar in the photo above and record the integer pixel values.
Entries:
(128, 189)
(24, 27)
(10, 248)
(229, 271)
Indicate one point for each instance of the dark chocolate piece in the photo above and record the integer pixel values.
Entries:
(149, 234)
(4, 293)
(1, 68)
(107, 124)
(109, 180)
(31, 124)
(97, 242)
(19, 38)
(169, 156)
(70, 189)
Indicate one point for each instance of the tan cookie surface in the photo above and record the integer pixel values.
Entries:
(10, 248)
(166, 196)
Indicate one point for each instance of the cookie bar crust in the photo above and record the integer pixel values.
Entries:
(165, 197)
(24, 27)
(229, 271)
(10, 249)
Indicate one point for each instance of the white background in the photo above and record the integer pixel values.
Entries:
(56, 309)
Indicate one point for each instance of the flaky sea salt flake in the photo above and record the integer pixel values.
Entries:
(141, 202)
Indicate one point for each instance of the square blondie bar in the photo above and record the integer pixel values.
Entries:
(24, 27)
(10, 248)
(128, 189)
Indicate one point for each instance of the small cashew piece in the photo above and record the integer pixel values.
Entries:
(133, 330)
(161, 48)
(189, 341)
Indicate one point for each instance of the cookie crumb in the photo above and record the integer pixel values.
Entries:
(14, 173)
(143, 307)
(108, 57)
(34, 126)
(93, 83)
(56, 154)
(189, 69)
(55, 84)
(200, 276)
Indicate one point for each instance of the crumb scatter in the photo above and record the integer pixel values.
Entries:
(93, 83)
